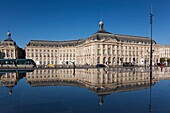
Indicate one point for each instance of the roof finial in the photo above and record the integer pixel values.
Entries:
(9, 36)
(101, 24)
(8, 33)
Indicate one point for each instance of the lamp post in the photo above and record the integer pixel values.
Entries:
(151, 20)
(150, 101)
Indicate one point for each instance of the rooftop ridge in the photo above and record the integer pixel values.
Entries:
(56, 41)
(132, 36)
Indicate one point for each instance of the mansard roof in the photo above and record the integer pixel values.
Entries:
(99, 35)
(120, 88)
(165, 45)
(128, 38)
(106, 89)
(9, 40)
(6, 43)
(103, 31)
(55, 43)
(119, 37)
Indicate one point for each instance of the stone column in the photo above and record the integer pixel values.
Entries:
(116, 54)
(101, 56)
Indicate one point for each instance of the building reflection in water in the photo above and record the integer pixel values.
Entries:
(99, 81)
(10, 79)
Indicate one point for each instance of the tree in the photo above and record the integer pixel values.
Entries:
(168, 60)
(162, 60)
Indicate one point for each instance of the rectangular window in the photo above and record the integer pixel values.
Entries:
(104, 51)
(98, 45)
(98, 51)
(109, 51)
(113, 52)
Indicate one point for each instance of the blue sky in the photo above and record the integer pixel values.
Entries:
(74, 19)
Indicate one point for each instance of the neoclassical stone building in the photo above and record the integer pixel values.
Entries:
(100, 48)
(164, 51)
(10, 50)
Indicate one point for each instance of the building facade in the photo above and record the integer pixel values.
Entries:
(10, 50)
(165, 53)
(100, 48)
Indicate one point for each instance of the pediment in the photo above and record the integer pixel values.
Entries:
(101, 39)
(88, 41)
(108, 39)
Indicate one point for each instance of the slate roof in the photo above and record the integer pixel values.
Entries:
(100, 34)
(119, 37)
(55, 43)
(9, 39)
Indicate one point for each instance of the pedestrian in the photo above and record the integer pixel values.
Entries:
(161, 66)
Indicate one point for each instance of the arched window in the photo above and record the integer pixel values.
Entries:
(121, 59)
(136, 60)
(104, 60)
(113, 60)
(109, 61)
(126, 60)
(98, 60)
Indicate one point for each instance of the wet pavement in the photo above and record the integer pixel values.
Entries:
(102, 90)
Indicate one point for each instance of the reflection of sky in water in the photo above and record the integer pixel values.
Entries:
(85, 91)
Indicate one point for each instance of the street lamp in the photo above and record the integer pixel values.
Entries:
(151, 20)
(150, 102)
